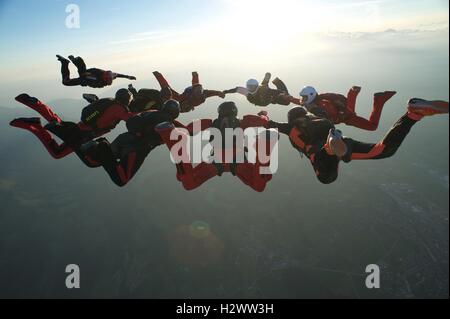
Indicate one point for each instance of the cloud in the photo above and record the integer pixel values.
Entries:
(146, 36)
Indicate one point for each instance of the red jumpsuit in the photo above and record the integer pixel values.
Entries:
(80, 133)
(249, 173)
(340, 109)
(189, 99)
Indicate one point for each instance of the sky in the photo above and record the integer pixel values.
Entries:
(177, 36)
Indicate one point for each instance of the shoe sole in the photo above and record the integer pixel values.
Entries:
(420, 104)
(26, 99)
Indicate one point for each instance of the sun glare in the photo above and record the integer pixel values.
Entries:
(266, 24)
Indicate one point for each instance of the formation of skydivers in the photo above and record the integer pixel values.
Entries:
(151, 116)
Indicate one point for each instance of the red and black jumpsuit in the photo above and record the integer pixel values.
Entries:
(125, 155)
(309, 135)
(73, 135)
(191, 97)
(265, 95)
(249, 173)
(340, 109)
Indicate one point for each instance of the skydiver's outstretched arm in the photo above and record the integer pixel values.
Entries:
(260, 120)
(239, 89)
(122, 76)
(293, 100)
(212, 93)
(283, 128)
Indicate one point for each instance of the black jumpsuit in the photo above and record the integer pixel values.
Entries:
(309, 136)
(125, 155)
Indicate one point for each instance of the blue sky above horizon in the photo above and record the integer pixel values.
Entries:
(41, 24)
(177, 35)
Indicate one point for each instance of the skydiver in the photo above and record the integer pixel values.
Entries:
(340, 109)
(95, 78)
(97, 119)
(263, 95)
(122, 158)
(192, 96)
(317, 138)
(145, 99)
(249, 173)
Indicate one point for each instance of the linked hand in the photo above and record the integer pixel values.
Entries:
(263, 113)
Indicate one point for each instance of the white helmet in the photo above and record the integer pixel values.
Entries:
(308, 95)
(252, 86)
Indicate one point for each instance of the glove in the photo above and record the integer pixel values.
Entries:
(263, 113)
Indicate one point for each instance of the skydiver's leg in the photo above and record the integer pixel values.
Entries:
(193, 177)
(325, 166)
(79, 63)
(266, 80)
(387, 147)
(257, 175)
(34, 126)
(65, 72)
(88, 161)
(131, 152)
(283, 98)
(280, 85)
(195, 79)
(39, 107)
(379, 100)
(351, 98)
(250, 175)
(166, 91)
(361, 123)
(129, 149)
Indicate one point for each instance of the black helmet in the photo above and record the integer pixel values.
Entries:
(124, 96)
(228, 109)
(296, 113)
(172, 108)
